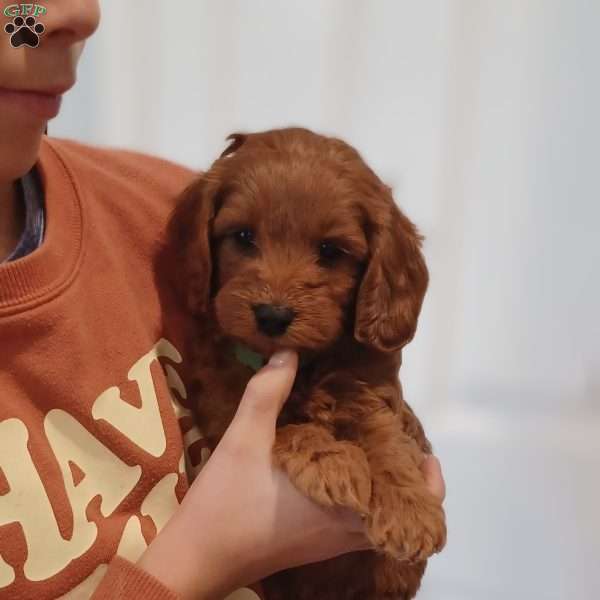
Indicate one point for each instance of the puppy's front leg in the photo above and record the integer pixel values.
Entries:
(331, 472)
(405, 520)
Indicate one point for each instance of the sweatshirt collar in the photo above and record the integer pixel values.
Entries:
(45, 273)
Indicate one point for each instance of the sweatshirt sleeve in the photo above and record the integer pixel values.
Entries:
(124, 580)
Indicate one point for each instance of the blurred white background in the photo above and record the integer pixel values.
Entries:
(483, 116)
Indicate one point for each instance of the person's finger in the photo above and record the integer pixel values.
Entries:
(264, 396)
(432, 470)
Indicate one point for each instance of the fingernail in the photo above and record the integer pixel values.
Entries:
(280, 358)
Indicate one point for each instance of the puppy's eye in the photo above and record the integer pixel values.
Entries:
(329, 252)
(244, 238)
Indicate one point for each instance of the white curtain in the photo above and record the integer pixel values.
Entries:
(483, 116)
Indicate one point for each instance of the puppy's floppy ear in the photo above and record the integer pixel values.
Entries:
(189, 236)
(393, 287)
(189, 231)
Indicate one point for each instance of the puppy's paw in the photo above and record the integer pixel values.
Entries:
(407, 524)
(330, 472)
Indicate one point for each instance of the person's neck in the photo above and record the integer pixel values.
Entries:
(11, 218)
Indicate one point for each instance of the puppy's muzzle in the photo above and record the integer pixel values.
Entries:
(273, 320)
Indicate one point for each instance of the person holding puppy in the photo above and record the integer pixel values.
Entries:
(95, 499)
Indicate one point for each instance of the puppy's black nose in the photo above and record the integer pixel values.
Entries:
(273, 320)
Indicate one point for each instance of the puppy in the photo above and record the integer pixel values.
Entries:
(291, 241)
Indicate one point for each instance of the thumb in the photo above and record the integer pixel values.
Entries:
(264, 397)
(432, 470)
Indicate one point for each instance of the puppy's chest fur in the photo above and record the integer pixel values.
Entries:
(340, 390)
(344, 389)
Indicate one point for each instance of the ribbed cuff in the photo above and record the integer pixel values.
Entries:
(124, 580)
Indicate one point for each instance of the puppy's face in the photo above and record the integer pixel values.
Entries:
(288, 246)
(292, 240)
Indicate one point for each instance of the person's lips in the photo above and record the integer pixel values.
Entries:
(44, 104)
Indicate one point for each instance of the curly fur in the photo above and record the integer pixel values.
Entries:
(345, 436)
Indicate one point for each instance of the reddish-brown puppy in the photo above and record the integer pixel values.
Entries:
(291, 241)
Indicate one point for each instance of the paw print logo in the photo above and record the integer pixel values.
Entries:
(24, 32)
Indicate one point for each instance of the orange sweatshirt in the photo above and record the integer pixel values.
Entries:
(92, 401)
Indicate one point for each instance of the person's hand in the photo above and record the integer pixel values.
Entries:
(242, 518)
